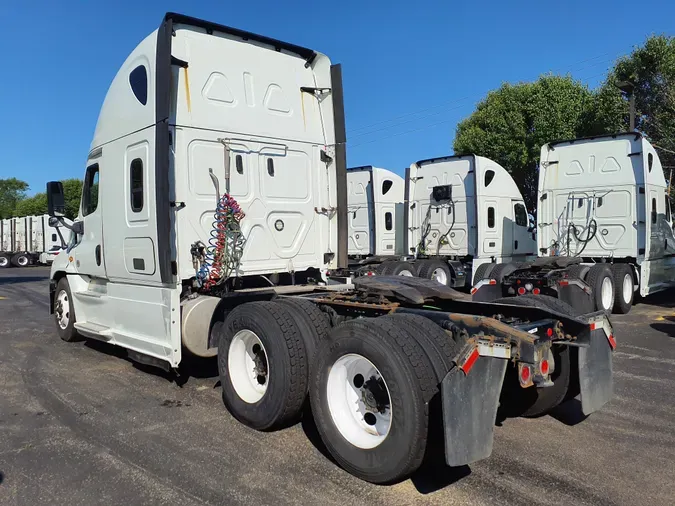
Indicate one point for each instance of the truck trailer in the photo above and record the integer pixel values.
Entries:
(214, 204)
(604, 227)
(28, 240)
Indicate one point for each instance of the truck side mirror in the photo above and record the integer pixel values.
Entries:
(56, 202)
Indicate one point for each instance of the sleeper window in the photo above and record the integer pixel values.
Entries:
(489, 176)
(388, 222)
(491, 217)
(90, 190)
(386, 186)
(521, 215)
(136, 184)
(653, 210)
(138, 80)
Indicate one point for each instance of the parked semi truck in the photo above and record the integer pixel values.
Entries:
(28, 240)
(460, 214)
(213, 207)
(604, 227)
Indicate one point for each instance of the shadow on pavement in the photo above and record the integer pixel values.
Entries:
(661, 299)
(19, 279)
(569, 412)
(190, 366)
(667, 326)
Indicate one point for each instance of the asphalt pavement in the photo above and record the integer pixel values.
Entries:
(81, 424)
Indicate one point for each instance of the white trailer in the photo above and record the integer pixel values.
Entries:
(604, 222)
(28, 240)
(162, 263)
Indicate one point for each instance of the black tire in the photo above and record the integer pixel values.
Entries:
(436, 343)
(20, 260)
(498, 271)
(399, 268)
(578, 272)
(68, 333)
(410, 381)
(534, 402)
(482, 272)
(287, 365)
(622, 273)
(384, 267)
(312, 322)
(595, 278)
(428, 267)
(5, 261)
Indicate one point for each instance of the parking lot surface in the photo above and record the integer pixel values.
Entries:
(81, 424)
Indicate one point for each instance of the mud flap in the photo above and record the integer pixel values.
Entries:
(486, 293)
(470, 403)
(595, 372)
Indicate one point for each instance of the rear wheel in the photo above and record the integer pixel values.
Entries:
(312, 322)
(4, 261)
(601, 281)
(624, 288)
(263, 365)
(400, 269)
(437, 270)
(370, 392)
(532, 402)
(20, 260)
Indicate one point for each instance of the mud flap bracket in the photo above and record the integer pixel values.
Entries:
(470, 403)
(595, 372)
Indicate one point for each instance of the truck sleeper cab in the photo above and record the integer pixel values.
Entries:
(464, 212)
(605, 226)
(214, 202)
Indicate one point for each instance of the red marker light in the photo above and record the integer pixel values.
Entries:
(536, 291)
(543, 367)
(493, 281)
(549, 332)
(525, 374)
(521, 291)
(564, 283)
(474, 290)
(470, 360)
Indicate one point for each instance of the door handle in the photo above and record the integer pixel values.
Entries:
(98, 254)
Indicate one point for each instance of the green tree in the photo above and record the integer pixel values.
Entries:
(32, 206)
(512, 123)
(72, 190)
(651, 69)
(12, 190)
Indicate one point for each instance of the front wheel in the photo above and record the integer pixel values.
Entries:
(64, 312)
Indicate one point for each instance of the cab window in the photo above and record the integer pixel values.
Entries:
(520, 214)
(90, 190)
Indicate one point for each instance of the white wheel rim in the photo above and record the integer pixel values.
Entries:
(627, 288)
(3, 261)
(606, 293)
(440, 276)
(406, 272)
(362, 418)
(22, 261)
(248, 366)
(62, 309)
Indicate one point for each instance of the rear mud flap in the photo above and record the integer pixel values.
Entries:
(487, 293)
(595, 372)
(576, 297)
(470, 405)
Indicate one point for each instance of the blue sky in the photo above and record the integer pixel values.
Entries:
(412, 69)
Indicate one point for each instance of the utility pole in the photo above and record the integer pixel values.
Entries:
(628, 88)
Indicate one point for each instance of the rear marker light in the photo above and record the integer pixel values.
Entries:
(493, 281)
(474, 290)
(543, 368)
(470, 361)
(521, 291)
(564, 283)
(536, 291)
(549, 332)
(525, 375)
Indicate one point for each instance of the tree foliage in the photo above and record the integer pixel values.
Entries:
(37, 204)
(512, 123)
(12, 190)
(651, 69)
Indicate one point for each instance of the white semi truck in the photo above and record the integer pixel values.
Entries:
(28, 240)
(215, 201)
(604, 227)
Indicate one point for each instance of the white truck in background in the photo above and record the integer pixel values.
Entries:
(605, 226)
(213, 207)
(459, 213)
(28, 240)
(375, 210)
